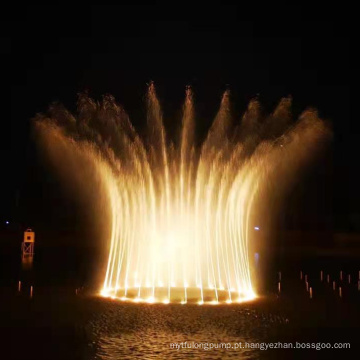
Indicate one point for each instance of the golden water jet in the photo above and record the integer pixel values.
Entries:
(181, 214)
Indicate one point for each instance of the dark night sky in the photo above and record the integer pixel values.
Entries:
(52, 53)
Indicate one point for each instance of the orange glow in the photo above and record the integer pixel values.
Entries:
(181, 215)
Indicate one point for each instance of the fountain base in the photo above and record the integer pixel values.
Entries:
(180, 295)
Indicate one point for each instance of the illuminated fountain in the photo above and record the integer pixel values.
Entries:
(180, 213)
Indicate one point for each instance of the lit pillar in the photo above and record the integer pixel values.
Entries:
(27, 246)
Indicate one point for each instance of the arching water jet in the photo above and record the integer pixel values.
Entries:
(181, 215)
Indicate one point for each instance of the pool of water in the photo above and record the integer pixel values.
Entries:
(56, 323)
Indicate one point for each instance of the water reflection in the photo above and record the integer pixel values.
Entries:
(126, 331)
(27, 262)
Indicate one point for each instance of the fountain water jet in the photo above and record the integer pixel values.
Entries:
(181, 215)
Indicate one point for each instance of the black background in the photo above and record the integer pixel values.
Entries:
(52, 52)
